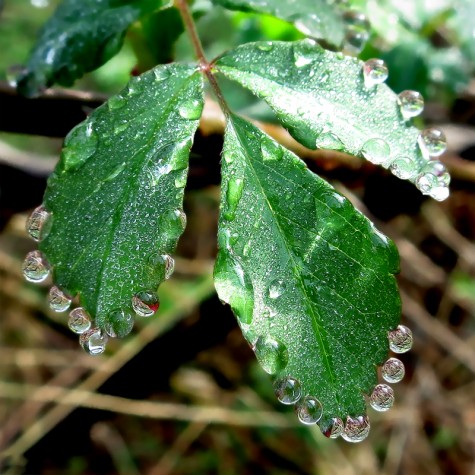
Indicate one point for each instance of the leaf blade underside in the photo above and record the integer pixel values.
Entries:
(78, 38)
(116, 195)
(299, 265)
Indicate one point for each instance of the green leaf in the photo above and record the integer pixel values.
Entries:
(116, 195)
(78, 38)
(316, 18)
(309, 277)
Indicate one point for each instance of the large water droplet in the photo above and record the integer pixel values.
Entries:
(145, 303)
(166, 262)
(411, 103)
(265, 46)
(270, 150)
(80, 145)
(288, 390)
(79, 321)
(161, 73)
(119, 323)
(276, 288)
(393, 370)
(356, 429)
(432, 142)
(116, 102)
(173, 223)
(356, 19)
(233, 195)
(309, 410)
(305, 52)
(328, 140)
(355, 39)
(335, 429)
(376, 151)
(374, 72)
(13, 72)
(404, 168)
(382, 398)
(58, 300)
(271, 354)
(439, 193)
(39, 223)
(191, 109)
(93, 341)
(400, 340)
(35, 267)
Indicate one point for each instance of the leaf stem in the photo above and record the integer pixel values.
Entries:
(205, 65)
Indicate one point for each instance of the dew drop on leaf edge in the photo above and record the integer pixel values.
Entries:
(35, 268)
(309, 410)
(375, 72)
(288, 390)
(39, 223)
(356, 429)
(271, 354)
(382, 398)
(79, 321)
(58, 300)
(93, 341)
(400, 339)
(145, 303)
(119, 323)
(393, 370)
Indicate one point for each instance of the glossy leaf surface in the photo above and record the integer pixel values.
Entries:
(309, 277)
(116, 194)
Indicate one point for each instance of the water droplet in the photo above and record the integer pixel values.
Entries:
(435, 168)
(393, 370)
(79, 321)
(121, 126)
(165, 262)
(161, 73)
(35, 267)
(305, 52)
(426, 182)
(173, 223)
(270, 150)
(355, 39)
(403, 167)
(400, 340)
(233, 195)
(276, 288)
(376, 151)
(328, 140)
(119, 323)
(93, 341)
(356, 429)
(265, 46)
(145, 303)
(288, 390)
(191, 109)
(80, 145)
(13, 73)
(335, 428)
(271, 354)
(411, 103)
(382, 398)
(439, 193)
(180, 179)
(374, 72)
(356, 19)
(309, 410)
(432, 142)
(58, 300)
(39, 223)
(116, 102)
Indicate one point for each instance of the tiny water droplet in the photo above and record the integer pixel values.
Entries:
(58, 300)
(403, 167)
(393, 370)
(309, 410)
(116, 102)
(374, 72)
(376, 151)
(276, 288)
(305, 52)
(400, 340)
(432, 142)
(233, 196)
(328, 140)
(382, 398)
(35, 267)
(411, 103)
(119, 323)
(191, 109)
(93, 341)
(270, 150)
(271, 354)
(356, 429)
(288, 390)
(79, 321)
(335, 429)
(145, 303)
(161, 73)
(39, 223)
(265, 46)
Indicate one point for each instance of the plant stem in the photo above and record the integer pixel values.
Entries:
(205, 65)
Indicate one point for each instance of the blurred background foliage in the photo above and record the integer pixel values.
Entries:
(183, 394)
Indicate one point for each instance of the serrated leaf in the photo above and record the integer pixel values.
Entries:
(316, 18)
(78, 38)
(323, 100)
(309, 277)
(116, 194)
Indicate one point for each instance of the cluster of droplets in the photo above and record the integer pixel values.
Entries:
(119, 322)
(432, 177)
